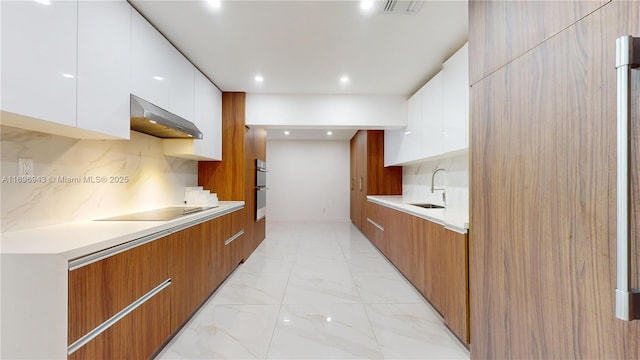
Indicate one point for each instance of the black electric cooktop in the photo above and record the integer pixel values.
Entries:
(163, 214)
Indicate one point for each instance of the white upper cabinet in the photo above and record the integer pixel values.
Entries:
(433, 141)
(150, 63)
(39, 45)
(438, 115)
(104, 56)
(456, 100)
(159, 72)
(181, 85)
(208, 118)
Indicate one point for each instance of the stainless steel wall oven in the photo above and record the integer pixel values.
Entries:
(261, 189)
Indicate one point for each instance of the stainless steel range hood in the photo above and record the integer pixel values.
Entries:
(153, 120)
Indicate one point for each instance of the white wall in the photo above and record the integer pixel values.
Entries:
(331, 111)
(308, 180)
(416, 182)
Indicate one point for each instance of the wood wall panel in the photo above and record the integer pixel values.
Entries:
(226, 177)
(380, 180)
(100, 290)
(542, 197)
(504, 30)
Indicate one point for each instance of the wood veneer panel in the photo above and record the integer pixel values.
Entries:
(380, 180)
(375, 235)
(504, 30)
(190, 260)
(100, 290)
(226, 177)
(256, 148)
(136, 336)
(542, 210)
(353, 193)
(455, 279)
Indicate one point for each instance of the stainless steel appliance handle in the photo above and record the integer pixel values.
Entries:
(627, 57)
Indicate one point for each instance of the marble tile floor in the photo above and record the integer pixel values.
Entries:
(315, 291)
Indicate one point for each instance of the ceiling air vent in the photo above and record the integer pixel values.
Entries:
(407, 7)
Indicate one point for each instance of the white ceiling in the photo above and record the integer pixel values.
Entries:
(304, 47)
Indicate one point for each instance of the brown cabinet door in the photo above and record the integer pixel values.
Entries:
(429, 260)
(355, 208)
(455, 269)
(102, 289)
(138, 335)
(542, 198)
(374, 227)
(190, 258)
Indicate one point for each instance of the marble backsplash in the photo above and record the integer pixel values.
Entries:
(416, 182)
(86, 179)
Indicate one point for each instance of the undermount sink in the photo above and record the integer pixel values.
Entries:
(429, 206)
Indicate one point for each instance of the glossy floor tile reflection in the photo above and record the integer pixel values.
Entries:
(315, 291)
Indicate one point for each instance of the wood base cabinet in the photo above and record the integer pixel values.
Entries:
(433, 258)
(102, 289)
(126, 305)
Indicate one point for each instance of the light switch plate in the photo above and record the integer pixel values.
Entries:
(25, 167)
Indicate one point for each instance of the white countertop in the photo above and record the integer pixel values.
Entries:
(452, 219)
(77, 239)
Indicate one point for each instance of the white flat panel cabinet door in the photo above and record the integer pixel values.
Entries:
(39, 44)
(411, 143)
(392, 144)
(432, 122)
(104, 56)
(150, 63)
(208, 118)
(181, 84)
(456, 100)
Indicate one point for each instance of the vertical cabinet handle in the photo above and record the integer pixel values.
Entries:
(360, 183)
(627, 57)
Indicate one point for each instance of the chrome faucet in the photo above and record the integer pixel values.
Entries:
(433, 183)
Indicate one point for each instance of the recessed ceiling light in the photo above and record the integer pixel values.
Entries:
(366, 5)
(159, 78)
(43, 2)
(329, 133)
(216, 4)
(344, 80)
(259, 78)
(286, 132)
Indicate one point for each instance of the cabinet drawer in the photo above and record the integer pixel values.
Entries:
(101, 289)
(136, 336)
